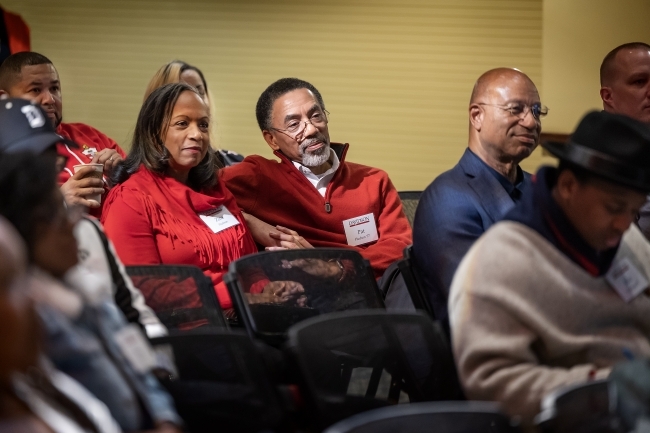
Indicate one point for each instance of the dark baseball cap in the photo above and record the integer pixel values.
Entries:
(24, 127)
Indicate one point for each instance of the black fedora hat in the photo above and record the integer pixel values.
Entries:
(24, 127)
(612, 146)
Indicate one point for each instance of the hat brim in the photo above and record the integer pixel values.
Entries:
(38, 143)
(601, 164)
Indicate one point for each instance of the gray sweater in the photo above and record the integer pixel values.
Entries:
(525, 319)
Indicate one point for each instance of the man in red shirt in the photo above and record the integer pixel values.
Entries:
(32, 76)
(331, 202)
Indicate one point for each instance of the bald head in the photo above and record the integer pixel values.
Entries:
(625, 81)
(494, 80)
(502, 127)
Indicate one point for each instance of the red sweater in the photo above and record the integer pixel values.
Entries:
(152, 219)
(90, 141)
(276, 192)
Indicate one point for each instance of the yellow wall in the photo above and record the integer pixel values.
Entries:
(577, 36)
(396, 75)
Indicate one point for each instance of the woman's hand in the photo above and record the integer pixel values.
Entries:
(287, 239)
(274, 238)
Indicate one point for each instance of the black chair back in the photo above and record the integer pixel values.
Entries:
(359, 360)
(413, 283)
(584, 408)
(438, 417)
(410, 200)
(330, 279)
(181, 296)
(221, 383)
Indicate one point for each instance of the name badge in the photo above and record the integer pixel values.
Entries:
(218, 219)
(135, 349)
(360, 230)
(626, 279)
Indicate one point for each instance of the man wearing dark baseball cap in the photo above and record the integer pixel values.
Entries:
(555, 294)
(26, 127)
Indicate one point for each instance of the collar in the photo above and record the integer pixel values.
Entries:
(540, 212)
(513, 190)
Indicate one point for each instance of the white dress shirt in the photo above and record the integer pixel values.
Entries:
(320, 181)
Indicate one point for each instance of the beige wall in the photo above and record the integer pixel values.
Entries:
(577, 35)
(396, 75)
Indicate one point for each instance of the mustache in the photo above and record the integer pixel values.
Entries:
(313, 140)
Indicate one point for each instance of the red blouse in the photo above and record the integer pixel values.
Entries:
(153, 219)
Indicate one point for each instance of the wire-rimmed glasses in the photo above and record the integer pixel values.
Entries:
(296, 127)
(521, 110)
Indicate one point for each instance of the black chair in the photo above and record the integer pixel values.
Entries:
(410, 200)
(413, 283)
(334, 279)
(221, 382)
(439, 417)
(181, 296)
(584, 408)
(354, 361)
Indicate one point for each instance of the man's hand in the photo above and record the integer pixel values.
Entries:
(287, 239)
(277, 237)
(109, 158)
(78, 187)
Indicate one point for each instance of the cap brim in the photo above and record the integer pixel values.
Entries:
(601, 164)
(38, 143)
(556, 148)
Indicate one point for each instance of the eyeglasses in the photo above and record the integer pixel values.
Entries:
(295, 127)
(521, 110)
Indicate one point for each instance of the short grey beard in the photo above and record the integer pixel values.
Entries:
(317, 158)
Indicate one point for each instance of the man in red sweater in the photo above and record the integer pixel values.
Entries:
(32, 76)
(312, 189)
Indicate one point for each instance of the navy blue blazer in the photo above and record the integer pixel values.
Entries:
(454, 210)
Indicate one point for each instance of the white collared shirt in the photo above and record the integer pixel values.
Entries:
(320, 181)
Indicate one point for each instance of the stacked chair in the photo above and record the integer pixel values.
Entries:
(181, 296)
(356, 289)
(332, 355)
(354, 361)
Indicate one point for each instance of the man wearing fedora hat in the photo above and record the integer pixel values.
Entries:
(554, 294)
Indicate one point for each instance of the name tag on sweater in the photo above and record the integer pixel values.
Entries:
(219, 219)
(135, 349)
(360, 230)
(626, 279)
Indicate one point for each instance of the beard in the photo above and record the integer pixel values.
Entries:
(317, 157)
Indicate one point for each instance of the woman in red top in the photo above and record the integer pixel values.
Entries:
(170, 207)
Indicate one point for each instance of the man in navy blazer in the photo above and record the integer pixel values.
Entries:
(462, 203)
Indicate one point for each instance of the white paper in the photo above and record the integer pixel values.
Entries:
(361, 230)
(626, 279)
(135, 349)
(219, 219)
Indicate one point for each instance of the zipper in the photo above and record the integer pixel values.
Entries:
(328, 190)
